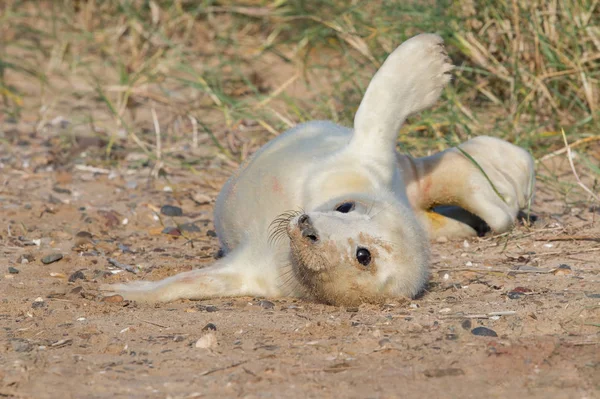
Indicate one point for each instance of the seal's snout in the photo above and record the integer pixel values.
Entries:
(306, 227)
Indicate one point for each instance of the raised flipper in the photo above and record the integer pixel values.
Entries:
(450, 178)
(410, 80)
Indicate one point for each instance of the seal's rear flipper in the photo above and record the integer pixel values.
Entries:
(229, 276)
(410, 80)
(485, 179)
(195, 284)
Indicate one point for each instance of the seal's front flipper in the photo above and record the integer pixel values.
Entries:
(410, 80)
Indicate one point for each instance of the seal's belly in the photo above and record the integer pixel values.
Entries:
(272, 181)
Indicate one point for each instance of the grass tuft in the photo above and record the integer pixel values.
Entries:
(229, 74)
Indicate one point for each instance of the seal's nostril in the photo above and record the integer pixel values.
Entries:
(311, 234)
(304, 220)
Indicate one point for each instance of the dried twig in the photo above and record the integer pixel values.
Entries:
(568, 238)
(123, 266)
(570, 157)
(564, 149)
(207, 372)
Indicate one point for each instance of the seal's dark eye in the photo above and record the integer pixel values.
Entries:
(345, 207)
(363, 256)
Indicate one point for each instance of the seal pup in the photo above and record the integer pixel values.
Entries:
(335, 215)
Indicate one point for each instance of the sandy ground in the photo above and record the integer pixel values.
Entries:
(535, 291)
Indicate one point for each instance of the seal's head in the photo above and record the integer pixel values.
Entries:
(352, 251)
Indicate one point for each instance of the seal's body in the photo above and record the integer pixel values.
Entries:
(336, 215)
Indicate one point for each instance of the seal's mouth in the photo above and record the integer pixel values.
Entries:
(307, 229)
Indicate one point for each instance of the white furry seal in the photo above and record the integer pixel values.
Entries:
(336, 215)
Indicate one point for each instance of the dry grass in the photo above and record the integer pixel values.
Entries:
(184, 81)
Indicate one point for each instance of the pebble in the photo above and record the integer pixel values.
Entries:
(83, 238)
(172, 231)
(113, 299)
(38, 303)
(170, 210)
(131, 184)
(266, 304)
(207, 308)
(78, 275)
(191, 227)
(442, 239)
(51, 258)
(451, 337)
(211, 233)
(207, 341)
(201, 199)
(352, 310)
(466, 324)
(515, 295)
(209, 326)
(562, 270)
(484, 332)
(13, 270)
(449, 372)
(23, 259)
(19, 345)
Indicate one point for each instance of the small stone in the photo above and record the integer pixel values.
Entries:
(38, 303)
(113, 299)
(111, 218)
(207, 308)
(77, 290)
(442, 239)
(266, 304)
(484, 332)
(170, 210)
(449, 372)
(83, 238)
(78, 275)
(352, 310)
(172, 231)
(201, 199)
(57, 293)
(207, 341)
(61, 190)
(191, 227)
(19, 345)
(51, 258)
(211, 233)
(13, 270)
(562, 270)
(515, 295)
(131, 184)
(466, 324)
(451, 337)
(209, 326)
(24, 259)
